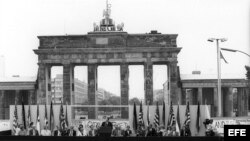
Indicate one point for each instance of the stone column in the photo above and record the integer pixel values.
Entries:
(175, 91)
(215, 108)
(148, 82)
(48, 84)
(67, 80)
(72, 85)
(200, 95)
(2, 108)
(124, 72)
(242, 101)
(92, 88)
(32, 97)
(18, 97)
(41, 92)
(228, 102)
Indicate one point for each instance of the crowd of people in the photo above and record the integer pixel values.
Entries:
(115, 131)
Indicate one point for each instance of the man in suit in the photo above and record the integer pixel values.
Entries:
(127, 132)
(33, 131)
(71, 131)
(107, 124)
(151, 131)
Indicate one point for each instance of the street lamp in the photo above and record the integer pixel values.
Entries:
(219, 114)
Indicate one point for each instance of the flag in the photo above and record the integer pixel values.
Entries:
(46, 122)
(148, 121)
(38, 127)
(29, 116)
(62, 118)
(171, 117)
(51, 120)
(222, 57)
(66, 117)
(157, 116)
(163, 114)
(198, 119)
(23, 116)
(141, 121)
(187, 114)
(135, 118)
(15, 120)
(207, 113)
(178, 120)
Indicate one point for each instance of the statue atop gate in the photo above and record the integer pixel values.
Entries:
(107, 24)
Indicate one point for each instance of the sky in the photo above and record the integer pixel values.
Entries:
(21, 21)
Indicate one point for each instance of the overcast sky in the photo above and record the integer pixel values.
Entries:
(21, 21)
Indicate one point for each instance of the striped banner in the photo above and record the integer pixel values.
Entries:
(157, 116)
(188, 120)
(171, 118)
(141, 122)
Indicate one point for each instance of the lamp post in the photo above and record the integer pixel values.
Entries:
(233, 50)
(219, 112)
(242, 113)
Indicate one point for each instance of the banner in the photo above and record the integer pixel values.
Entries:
(219, 123)
(97, 123)
(4, 125)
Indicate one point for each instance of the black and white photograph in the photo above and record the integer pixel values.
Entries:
(117, 69)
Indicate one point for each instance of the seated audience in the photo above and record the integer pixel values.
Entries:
(46, 131)
(116, 132)
(151, 131)
(64, 131)
(140, 131)
(56, 131)
(80, 131)
(173, 131)
(33, 131)
(71, 131)
(185, 131)
(15, 130)
(160, 131)
(92, 132)
(30, 128)
(22, 131)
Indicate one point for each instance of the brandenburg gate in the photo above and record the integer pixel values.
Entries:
(107, 44)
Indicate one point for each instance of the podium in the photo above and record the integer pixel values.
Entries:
(105, 131)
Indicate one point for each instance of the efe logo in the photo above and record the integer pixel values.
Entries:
(236, 132)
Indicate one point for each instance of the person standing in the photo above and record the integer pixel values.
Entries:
(106, 125)
(127, 132)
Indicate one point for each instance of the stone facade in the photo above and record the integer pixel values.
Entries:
(107, 48)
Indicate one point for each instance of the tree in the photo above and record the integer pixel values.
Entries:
(134, 100)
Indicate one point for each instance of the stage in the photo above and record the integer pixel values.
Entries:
(54, 138)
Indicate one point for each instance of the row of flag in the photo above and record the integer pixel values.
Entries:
(172, 120)
(49, 123)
